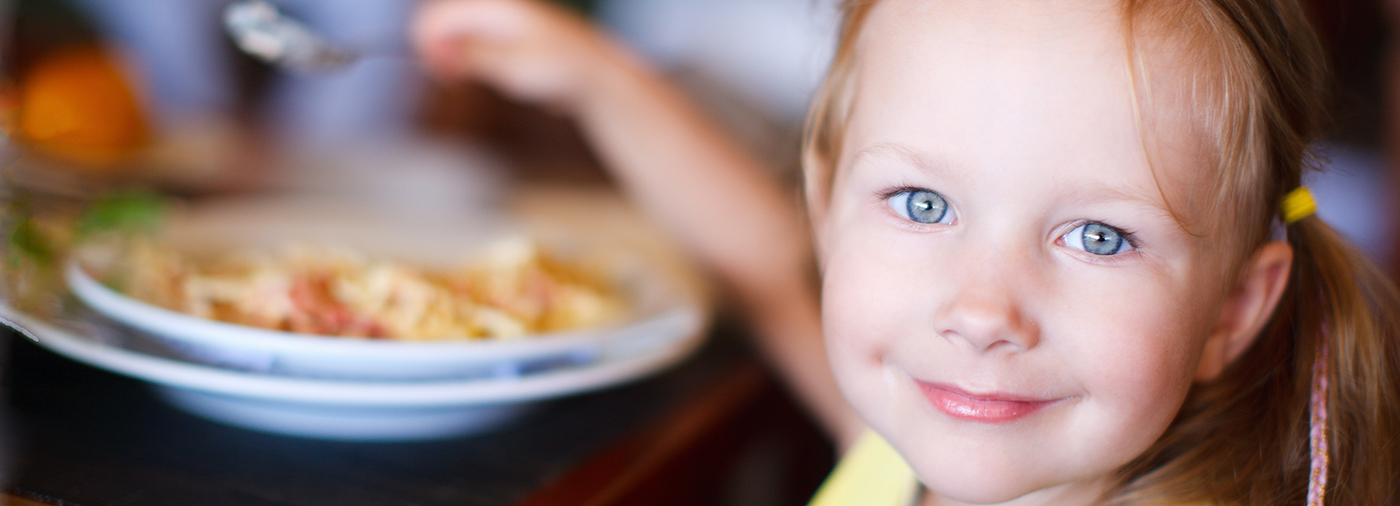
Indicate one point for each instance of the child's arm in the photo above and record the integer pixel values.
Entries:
(682, 169)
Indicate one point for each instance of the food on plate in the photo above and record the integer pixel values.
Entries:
(511, 289)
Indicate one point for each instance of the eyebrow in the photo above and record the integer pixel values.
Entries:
(903, 154)
(1100, 193)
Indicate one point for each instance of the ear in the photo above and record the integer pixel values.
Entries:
(1247, 308)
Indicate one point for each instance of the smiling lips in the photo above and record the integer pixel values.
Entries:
(993, 408)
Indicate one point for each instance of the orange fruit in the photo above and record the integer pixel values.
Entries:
(77, 104)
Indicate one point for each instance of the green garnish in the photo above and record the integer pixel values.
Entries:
(136, 212)
(27, 240)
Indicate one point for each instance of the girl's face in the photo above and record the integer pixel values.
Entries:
(1007, 297)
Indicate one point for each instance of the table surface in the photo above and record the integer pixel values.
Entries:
(82, 436)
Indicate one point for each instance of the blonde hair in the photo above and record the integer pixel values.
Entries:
(1258, 94)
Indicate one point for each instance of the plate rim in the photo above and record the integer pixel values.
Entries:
(294, 390)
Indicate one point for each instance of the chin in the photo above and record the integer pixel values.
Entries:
(982, 492)
(981, 481)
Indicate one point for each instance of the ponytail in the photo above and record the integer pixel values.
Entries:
(1339, 296)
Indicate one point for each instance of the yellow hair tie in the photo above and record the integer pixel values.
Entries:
(1298, 204)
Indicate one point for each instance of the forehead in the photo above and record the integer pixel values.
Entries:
(1003, 86)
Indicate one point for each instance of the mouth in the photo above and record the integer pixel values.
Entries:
(986, 408)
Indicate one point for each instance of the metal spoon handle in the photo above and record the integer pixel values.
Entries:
(258, 29)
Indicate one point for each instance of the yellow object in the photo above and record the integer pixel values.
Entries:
(870, 474)
(1298, 204)
(76, 104)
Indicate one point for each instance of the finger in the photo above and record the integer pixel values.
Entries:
(442, 30)
(499, 20)
(492, 64)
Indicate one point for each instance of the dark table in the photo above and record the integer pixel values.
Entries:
(713, 430)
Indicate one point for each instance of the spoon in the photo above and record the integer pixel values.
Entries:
(258, 29)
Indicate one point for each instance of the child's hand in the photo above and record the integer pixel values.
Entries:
(530, 50)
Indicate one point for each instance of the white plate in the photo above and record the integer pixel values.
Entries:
(352, 410)
(661, 305)
(284, 353)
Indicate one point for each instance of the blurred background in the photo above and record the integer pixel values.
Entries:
(156, 87)
(153, 97)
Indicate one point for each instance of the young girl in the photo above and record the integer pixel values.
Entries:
(1066, 257)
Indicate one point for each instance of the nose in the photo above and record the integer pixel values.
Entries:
(984, 309)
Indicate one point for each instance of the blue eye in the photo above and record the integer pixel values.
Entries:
(921, 206)
(1099, 239)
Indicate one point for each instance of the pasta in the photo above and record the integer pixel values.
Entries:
(510, 290)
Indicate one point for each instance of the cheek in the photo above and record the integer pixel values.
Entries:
(867, 305)
(1134, 352)
(1152, 327)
